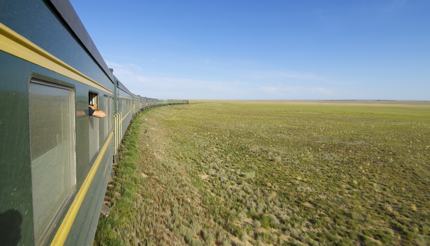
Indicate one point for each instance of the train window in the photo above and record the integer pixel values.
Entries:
(93, 99)
(52, 146)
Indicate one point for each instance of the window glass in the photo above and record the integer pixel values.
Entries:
(111, 109)
(94, 139)
(52, 145)
(107, 118)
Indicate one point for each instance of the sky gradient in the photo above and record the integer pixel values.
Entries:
(271, 49)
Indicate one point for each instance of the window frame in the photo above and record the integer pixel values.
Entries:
(60, 212)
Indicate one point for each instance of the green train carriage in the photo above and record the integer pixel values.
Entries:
(55, 159)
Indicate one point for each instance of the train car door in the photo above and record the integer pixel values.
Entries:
(94, 128)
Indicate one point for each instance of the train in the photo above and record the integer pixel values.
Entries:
(55, 157)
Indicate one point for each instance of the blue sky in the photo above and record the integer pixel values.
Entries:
(266, 49)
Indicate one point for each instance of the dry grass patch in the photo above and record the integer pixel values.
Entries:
(276, 173)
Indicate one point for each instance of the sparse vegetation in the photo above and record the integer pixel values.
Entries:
(273, 173)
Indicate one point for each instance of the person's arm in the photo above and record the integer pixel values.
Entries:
(95, 112)
(99, 114)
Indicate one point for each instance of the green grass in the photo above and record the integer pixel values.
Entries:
(123, 191)
(274, 173)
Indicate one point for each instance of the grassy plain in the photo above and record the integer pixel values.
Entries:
(273, 173)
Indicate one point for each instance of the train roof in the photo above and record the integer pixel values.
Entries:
(69, 16)
(122, 87)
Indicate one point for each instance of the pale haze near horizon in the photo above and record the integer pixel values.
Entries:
(265, 49)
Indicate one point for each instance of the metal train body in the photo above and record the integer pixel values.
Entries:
(55, 159)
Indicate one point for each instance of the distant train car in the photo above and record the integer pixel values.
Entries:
(55, 158)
